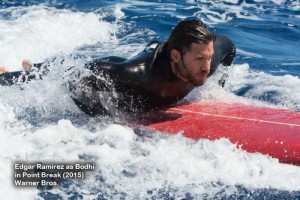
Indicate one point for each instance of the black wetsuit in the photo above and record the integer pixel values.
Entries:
(145, 81)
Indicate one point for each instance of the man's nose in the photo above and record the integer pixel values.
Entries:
(206, 65)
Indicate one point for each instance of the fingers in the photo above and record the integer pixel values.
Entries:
(3, 69)
(26, 64)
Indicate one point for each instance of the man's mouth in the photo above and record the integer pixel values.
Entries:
(203, 74)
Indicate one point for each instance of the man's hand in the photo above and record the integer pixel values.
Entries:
(26, 65)
(3, 69)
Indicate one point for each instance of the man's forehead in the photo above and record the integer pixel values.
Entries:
(202, 48)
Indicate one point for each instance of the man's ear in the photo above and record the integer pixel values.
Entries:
(175, 55)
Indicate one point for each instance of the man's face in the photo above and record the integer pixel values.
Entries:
(195, 64)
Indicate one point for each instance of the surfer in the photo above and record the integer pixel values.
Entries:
(158, 76)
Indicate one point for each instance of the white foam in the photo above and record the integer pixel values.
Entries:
(248, 54)
(212, 13)
(126, 161)
(285, 88)
(223, 11)
(40, 32)
(295, 5)
(12, 144)
(279, 1)
(46, 96)
(118, 12)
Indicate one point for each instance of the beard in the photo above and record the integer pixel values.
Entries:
(197, 79)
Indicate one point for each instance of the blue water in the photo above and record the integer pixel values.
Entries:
(265, 72)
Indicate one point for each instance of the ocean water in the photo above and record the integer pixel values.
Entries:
(39, 122)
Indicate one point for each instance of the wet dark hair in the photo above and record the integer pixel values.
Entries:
(187, 32)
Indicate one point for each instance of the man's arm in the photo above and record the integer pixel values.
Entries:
(30, 72)
(134, 71)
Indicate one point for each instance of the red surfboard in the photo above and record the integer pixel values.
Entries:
(274, 132)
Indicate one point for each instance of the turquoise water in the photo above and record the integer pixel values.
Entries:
(40, 123)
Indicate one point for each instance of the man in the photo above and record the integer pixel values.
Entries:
(156, 77)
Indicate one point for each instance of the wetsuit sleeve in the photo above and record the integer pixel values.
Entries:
(224, 53)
